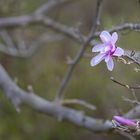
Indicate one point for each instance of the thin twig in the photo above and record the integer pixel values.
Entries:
(124, 85)
(123, 27)
(35, 19)
(49, 5)
(78, 101)
(79, 55)
(6, 38)
(134, 94)
(133, 55)
(131, 101)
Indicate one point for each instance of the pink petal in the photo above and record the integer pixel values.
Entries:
(124, 121)
(113, 48)
(97, 59)
(98, 48)
(110, 64)
(107, 48)
(118, 52)
(107, 58)
(105, 36)
(114, 37)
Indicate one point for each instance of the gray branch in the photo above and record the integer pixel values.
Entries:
(80, 52)
(49, 5)
(134, 113)
(19, 96)
(133, 55)
(65, 30)
(123, 27)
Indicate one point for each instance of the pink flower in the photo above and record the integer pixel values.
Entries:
(124, 121)
(106, 50)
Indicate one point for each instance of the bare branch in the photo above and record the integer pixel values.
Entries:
(19, 96)
(10, 50)
(44, 38)
(131, 101)
(123, 27)
(80, 53)
(6, 38)
(78, 101)
(68, 31)
(49, 5)
(17, 21)
(133, 55)
(32, 19)
(27, 50)
(40, 20)
(125, 85)
(133, 113)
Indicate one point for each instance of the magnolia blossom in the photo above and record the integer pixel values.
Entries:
(124, 121)
(106, 50)
(126, 125)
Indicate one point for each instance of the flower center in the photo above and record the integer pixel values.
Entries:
(112, 49)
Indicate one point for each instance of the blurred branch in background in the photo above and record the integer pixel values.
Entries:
(122, 27)
(50, 5)
(19, 96)
(37, 17)
(80, 53)
(124, 85)
(20, 49)
(78, 101)
(64, 29)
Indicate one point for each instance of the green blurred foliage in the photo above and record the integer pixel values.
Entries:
(46, 68)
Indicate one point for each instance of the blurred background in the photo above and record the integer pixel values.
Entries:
(45, 69)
